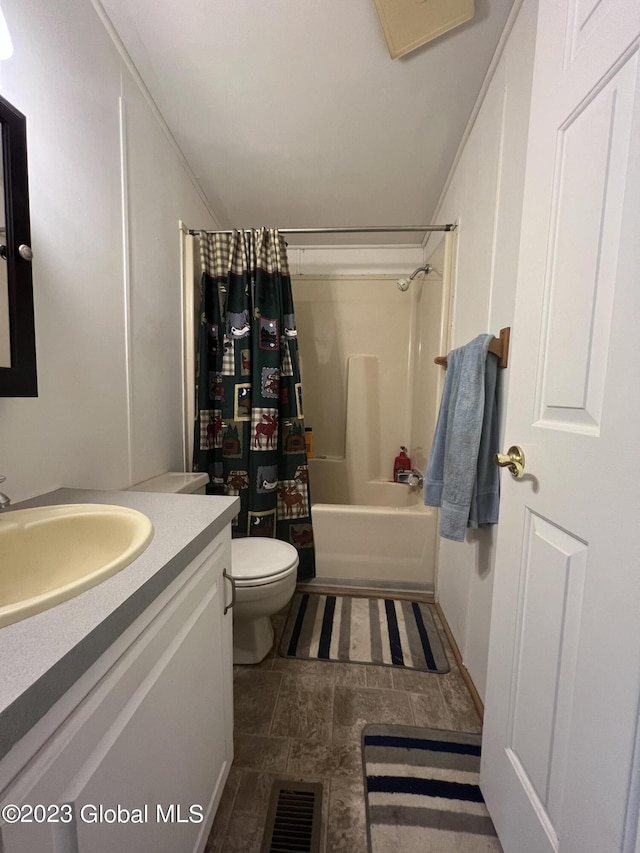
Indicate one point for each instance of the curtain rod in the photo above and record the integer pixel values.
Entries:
(367, 229)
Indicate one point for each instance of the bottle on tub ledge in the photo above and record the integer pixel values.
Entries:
(308, 442)
(401, 466)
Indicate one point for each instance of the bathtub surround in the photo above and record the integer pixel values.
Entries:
(383, 631)
(355, 336)
(249, 429)
(461, 477)
(371, 385)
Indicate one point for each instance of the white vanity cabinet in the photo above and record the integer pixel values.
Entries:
(146, 732)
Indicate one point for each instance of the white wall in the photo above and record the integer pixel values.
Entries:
(108, 322)
(485, 195)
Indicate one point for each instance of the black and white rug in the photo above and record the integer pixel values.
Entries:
(354, 629)
(422, 792)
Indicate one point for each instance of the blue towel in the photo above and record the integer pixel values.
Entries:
(461, 477)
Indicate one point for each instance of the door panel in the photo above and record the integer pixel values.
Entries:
(592, 156)
(589, 22)
(549, 607)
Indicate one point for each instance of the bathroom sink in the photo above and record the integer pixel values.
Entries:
(52, 553)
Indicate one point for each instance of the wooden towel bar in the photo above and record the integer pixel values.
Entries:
(499, 347)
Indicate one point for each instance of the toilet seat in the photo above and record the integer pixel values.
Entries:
(257, 561)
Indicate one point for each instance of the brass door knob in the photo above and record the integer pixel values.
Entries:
(513, 459)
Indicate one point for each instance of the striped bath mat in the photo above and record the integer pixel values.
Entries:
(422, 792)
(351, 629)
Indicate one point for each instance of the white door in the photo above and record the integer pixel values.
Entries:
(564, 660)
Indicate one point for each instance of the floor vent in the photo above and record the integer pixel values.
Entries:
(294, 817)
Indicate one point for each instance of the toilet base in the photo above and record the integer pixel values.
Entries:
(252, 639)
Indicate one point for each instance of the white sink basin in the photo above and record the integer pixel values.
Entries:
(52, 553)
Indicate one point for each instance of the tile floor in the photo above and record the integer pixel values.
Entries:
(302, 720)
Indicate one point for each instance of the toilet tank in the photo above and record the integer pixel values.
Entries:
(174, 482)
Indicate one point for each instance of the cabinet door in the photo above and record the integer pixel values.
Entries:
(163, 758)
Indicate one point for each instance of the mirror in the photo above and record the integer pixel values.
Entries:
(17, 333)
(5, 345)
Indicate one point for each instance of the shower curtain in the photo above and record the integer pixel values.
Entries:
(249, 430)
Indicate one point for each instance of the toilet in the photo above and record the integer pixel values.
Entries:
(263, 570)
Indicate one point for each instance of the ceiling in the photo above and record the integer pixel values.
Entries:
(292, 114)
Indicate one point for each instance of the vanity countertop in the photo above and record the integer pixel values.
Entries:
(43, 655)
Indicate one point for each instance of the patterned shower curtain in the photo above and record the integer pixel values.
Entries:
(249, 431)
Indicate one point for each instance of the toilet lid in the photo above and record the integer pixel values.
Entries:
(257, 558)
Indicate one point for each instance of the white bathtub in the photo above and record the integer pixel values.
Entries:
(384, 545)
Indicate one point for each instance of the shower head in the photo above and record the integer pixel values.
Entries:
(403, 283)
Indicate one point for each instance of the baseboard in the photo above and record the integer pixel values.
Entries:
(477, 701)
(374, 589)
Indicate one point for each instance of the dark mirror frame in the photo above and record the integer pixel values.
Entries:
(20, 379)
